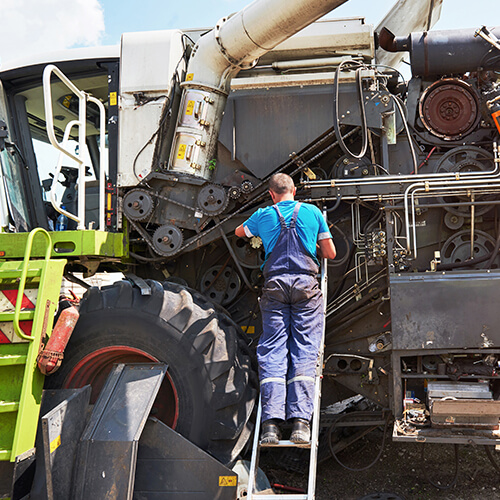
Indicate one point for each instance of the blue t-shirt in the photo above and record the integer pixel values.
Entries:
(311, 225)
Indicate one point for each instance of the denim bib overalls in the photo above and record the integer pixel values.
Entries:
(292, 317)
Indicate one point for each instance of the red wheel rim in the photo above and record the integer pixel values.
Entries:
(94, 369)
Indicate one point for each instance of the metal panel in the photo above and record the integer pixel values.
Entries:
(452, 310)
(108, 449)
(61, 430)
(471, 390)
(170, 466)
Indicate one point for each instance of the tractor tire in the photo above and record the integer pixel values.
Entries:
(209, 392)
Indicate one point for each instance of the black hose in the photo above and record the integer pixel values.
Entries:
(491, 457)
(455, 477)
(336, 205)
(334, 455)
(336, 121)
(494, 252)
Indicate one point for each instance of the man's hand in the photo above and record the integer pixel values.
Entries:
(240, 231)
(326, 249)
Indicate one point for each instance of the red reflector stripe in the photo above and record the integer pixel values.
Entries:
(12, 297)
(3, 338)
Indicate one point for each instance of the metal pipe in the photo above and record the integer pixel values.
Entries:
(234, 44)
(444, 52)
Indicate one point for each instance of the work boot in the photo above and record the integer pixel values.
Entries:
(270, 432)
(301, 431)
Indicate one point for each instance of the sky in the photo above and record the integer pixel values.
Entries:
(30, 27)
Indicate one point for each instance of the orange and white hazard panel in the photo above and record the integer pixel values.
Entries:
(8, 304)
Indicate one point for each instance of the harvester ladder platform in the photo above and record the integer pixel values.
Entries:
(29, 295)
(313, 444)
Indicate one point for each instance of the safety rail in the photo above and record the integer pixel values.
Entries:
(24, 274)
(83, 97)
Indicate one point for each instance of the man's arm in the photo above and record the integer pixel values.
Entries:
(326, 249)
(240, 231)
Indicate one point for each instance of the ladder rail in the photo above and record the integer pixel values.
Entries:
(313, 461)
(24, 274)
(313, 457)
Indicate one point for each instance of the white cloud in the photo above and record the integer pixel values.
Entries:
(37, 26)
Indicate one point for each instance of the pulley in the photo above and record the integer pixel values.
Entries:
(457, 248)
(220, 284)
(167, 240)
(459, 161)
(138, 205)
(212, 199)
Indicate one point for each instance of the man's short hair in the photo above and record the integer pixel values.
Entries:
(281, 184)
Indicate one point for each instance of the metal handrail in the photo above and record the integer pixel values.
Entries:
(24, 274)
(83, 97)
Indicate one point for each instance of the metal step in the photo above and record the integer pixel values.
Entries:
(290, 496)
(285, 444)
(15, 359)
(25, 315)
(9, 406)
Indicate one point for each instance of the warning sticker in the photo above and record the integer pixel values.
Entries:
(182, 152)
(189, 77)
(55, 443)
(228, 481)
(112, 98)
(189, 107)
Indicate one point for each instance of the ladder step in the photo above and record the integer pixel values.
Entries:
(288, 496)
(16, 273)
(9, 406)
(16, 359)
(25, 315)
(5, 454)
(286, 444)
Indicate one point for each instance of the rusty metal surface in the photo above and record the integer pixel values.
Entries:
(449, 108)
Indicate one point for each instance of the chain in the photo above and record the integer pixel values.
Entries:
(295, 160)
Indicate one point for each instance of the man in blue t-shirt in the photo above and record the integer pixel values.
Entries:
(291, 306)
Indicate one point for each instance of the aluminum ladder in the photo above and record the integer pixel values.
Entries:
(313, 444)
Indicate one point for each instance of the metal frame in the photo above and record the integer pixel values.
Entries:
(83, 97)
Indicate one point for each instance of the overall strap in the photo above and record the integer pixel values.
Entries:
(295, 214)
(281, 218)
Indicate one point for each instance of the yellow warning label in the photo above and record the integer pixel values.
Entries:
(190, 108)
(248, 329)
(189, 77)
(67, 101)
(113, 98)
(228, 481)
(182, 152)
(54, 444)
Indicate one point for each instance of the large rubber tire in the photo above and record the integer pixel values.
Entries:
(211, 386)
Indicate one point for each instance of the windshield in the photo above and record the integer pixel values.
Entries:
(11, 176)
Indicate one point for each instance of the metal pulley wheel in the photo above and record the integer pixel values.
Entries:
(453, 221)
(167, 240)
(234, 192)
(249, 255)
(220, 285)
(461, 160)
(212, 199)
(457, 248)
(247, 186)
(138, 205)
(449, 109)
